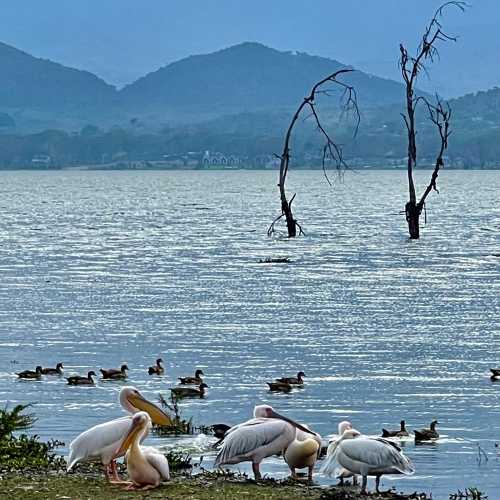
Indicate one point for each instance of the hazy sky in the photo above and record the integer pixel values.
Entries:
(121, 40)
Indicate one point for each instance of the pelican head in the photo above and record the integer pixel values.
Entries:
(140, 422)
(266, 411)
(350, 434)
(134, 402)
(343, 426)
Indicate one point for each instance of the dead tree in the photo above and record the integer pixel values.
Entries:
(331, 150)
(439, 114)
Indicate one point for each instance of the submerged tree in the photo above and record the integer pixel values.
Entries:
(439, 113)
(332, 152)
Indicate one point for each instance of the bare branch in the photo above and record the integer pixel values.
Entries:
(331, 150)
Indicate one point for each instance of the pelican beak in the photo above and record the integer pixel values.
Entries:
(158, 416)
(135, 428)
(290, 421)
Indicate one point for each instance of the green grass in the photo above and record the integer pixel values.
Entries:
(76, 486)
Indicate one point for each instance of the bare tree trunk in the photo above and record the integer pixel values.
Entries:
(438, 114)
(331, 150)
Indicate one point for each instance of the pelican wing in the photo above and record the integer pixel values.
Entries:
(158, 461)
(373, 454)
(98, 442)
(247, 437)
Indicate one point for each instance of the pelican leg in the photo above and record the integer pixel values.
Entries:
(341, 481)
(310, 475)
(293, 473)
(113, 477)
(377, 484)
(256, 471)
(137, 487)
(354, 480)
(363, 486)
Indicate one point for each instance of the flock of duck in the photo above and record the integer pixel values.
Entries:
(121, 374)
(348, 455)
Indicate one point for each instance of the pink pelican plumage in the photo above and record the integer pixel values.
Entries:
(101, 441)
(370, 457)
(267, 434)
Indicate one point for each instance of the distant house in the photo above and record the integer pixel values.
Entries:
(216, 159)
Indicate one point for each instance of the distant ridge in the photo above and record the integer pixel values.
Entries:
(40, 84)
(246, 77)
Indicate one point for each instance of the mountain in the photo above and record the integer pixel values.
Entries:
(29, 82)
(38, 89)
(247, 77)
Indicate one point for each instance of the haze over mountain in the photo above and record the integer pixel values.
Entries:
(122, 40)
(248, 77)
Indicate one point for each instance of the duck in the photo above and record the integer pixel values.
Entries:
(58, 370)
(115, 374)
(158, 369)
(279, 386)
(427, 434)
(298, 380)
(495, 373)
(196, 380)
(220, 430)
(189, 392)
(79, 380)
(402, 432)
(30, 374)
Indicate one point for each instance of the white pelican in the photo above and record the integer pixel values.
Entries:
(101, 441)
(329, 467)
(370, 457)
(268, 433)
(146, 466)
(303, 452)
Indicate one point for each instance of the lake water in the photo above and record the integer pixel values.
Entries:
(100, 268)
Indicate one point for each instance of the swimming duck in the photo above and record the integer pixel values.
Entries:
(114, 374)
(495, 373)
(37, 374)
(279, 386)
(400, 433)
(58, 370)
(158, 369)
(298, 380)
(189, 392)
(196, 380)
(79, 380)
(427, 434)
(220, 430)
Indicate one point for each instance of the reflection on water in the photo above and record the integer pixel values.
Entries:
(104, 268)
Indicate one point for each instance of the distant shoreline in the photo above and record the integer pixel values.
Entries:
(103, 168)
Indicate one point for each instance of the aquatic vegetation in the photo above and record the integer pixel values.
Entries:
(14, 420)
(468, 494)
(23, 451)
(179, 424)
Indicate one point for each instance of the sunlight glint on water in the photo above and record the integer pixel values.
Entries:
(103, 268)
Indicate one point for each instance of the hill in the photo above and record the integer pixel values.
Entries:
(38, 93)
(248, 77)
